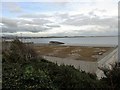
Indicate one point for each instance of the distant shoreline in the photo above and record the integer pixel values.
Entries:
(12, 37)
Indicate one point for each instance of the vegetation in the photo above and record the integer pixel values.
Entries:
(112, 79)
(23, 68)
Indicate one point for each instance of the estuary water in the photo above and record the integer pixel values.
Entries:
(97, 41)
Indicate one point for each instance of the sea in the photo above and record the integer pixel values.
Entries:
(85, 41)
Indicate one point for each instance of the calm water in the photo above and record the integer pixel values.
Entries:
(79, 41)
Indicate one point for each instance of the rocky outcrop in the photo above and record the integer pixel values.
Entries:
(56, 42)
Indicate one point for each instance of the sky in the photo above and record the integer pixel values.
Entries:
(60, 18)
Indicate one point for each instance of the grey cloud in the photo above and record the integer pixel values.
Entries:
(9, 29)
(16, 25)
(29, 28)
(41, 21)
(108, 25)
(90, 32)
(9, 25)
(32, 28)
(23, 22)
(9, 22)
(63, 16)
(80, 20)
(55, 26)
(34, 16)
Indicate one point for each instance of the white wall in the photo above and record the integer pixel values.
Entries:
(83, 65)
(106, 62)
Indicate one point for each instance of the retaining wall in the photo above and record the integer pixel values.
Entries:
(106, 61)
(83, 65)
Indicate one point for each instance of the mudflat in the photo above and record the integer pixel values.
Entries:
(73, 52)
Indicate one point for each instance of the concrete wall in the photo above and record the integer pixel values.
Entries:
(106, 61)
(83, 65)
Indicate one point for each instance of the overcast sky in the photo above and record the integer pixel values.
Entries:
(62, 18)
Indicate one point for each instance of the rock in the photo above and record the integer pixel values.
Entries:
(56, 42)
